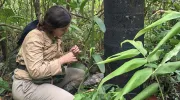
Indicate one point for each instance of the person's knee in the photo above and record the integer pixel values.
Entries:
(80, 74)
(51, 92)
(76, 74)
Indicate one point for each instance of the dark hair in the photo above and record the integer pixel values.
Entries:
(55, 17)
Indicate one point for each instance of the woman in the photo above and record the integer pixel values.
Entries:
(40, 71)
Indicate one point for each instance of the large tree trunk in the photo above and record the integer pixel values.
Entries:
(123, 19)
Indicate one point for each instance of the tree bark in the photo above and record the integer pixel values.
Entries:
(37, 8)
(123, 19)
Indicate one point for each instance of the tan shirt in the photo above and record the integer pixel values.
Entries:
(40, 55)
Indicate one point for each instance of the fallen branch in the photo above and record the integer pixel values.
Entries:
(10, 26)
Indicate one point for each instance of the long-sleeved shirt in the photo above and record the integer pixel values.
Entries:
(40, 54)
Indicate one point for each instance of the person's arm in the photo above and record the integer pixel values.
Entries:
(34, 60)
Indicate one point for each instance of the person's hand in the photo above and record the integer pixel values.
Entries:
(68, 58)
(75, 49)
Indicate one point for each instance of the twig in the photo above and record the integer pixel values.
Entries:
(86, 75)
(79, 16)
(159, 87)
(10, 26)
(100, 11)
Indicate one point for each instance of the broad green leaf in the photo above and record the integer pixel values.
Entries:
(136, 80)
(175, 30)
(168, 67)
(151, 65)
(98, 58)
(172, 53)
(2, 39)
(147, 92)
(122, 55)
(155, 57)
(138, 45)
(170, 16)
(82, 6)
(100, 23)
(126, 67)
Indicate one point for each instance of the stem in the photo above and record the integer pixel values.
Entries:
(92, 12)
(86, 74)
(159, 87)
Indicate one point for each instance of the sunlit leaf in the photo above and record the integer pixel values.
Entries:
(175, 30)
(148, 91)
(138, 45)
(100, 23)
(122, 55)
(168, 68)
(126, 67)
(172, 53)
(2, 39)
(170, 16)
(98, 58)
(155, 57)
(136, 80)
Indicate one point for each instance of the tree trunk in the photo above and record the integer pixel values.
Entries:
(37, 8)
(123, 19)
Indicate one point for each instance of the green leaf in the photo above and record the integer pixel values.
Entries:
(82, 6)
(1, 90)
(175, 30)
(92, 51)
(138, 45)
(172, 53)
(168, 68)
(79, 97)
(100, 23)
(136, 80)
(122, 55)
(151, 65)
(155, 57)
(98, 58)
(126, 67)
(170, 16)
(76, 28)
(4, 84)
(147, 92)
(2, 39)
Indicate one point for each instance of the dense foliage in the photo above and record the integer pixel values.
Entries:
(160, 61)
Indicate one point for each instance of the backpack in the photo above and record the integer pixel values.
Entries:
(26, 30)
(12, 56)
